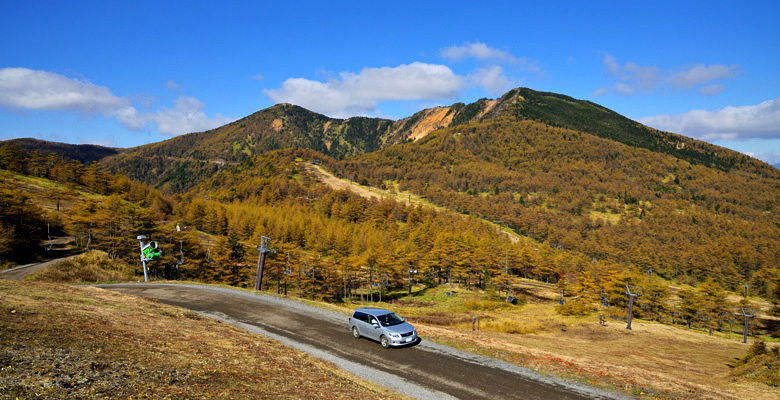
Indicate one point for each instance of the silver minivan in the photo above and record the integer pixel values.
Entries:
(382, 325)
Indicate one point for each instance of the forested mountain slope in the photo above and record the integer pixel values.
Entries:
(596, 197)
(179, 163)
(83, 153)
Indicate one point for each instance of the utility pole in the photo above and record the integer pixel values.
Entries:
(746, 288)
(632, 291)
(263, 249)
(747, 313)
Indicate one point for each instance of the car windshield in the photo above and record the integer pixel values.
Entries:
(390, 319)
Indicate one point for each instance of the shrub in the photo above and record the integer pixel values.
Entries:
(760, 364)
(90, 267)
(575, 308)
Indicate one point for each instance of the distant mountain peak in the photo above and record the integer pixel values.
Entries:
(182, 161)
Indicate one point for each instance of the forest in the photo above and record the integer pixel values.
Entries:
(600, 199)
(590, 240)
(529, 186)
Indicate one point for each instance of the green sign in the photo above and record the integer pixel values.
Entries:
(151, 252)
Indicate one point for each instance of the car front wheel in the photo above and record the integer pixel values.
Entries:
(355, 332)
(384, 341)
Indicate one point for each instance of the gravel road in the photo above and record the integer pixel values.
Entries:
(425, 370)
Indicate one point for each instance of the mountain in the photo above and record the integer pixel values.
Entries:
(83, 153)
(605, 191)
(585, 189)
(181, 162)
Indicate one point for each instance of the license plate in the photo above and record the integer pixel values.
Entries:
(408, 340)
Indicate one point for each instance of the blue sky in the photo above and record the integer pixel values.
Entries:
(125, 74)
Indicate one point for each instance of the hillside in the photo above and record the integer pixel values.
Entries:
(601, 199)
(177, 164)
(83, 153)
(59, 341)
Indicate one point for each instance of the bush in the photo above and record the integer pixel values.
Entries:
(760, 364)
(575, 308)
(90, 267)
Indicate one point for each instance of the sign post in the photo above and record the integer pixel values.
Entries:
(149, 252)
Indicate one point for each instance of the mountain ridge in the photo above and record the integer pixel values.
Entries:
(290, 126)
(179, 163)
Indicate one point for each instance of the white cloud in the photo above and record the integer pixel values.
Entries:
(599, 92)
(479, 51)
(482, 52)
(622, 88)
(631, 78)
(28, 89)
(772, 158)
(492, 80)
(760, 121)
(359, 94)
(186, 116)
(701, 74)
(712, 90)
(40, 90)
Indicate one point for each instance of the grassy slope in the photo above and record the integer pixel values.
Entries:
(177, 347)
(651, 360)
(63, 342)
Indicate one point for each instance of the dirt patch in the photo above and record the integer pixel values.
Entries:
(277, 125)
(341, 184)
(434, 119)
(489, 105)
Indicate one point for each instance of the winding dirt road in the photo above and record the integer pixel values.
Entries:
(426, 370)
(59, 253)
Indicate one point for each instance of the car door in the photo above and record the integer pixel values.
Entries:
(364, 326)
(372, 329)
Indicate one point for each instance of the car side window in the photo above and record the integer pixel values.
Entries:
(361, 317)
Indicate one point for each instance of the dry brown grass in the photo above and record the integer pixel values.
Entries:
(90, 267)
(651, 360)
(64, 342)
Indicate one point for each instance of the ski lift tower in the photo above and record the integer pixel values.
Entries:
(631, 291)
(747, 313)
(149, 252)
(263, 249)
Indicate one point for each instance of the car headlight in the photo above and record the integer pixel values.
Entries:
(395, 335)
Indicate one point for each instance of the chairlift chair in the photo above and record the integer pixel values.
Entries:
(208, 255)
(181, 251)
(288, 270)
(48, 233)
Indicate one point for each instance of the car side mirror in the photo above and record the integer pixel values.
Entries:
(376, 325)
